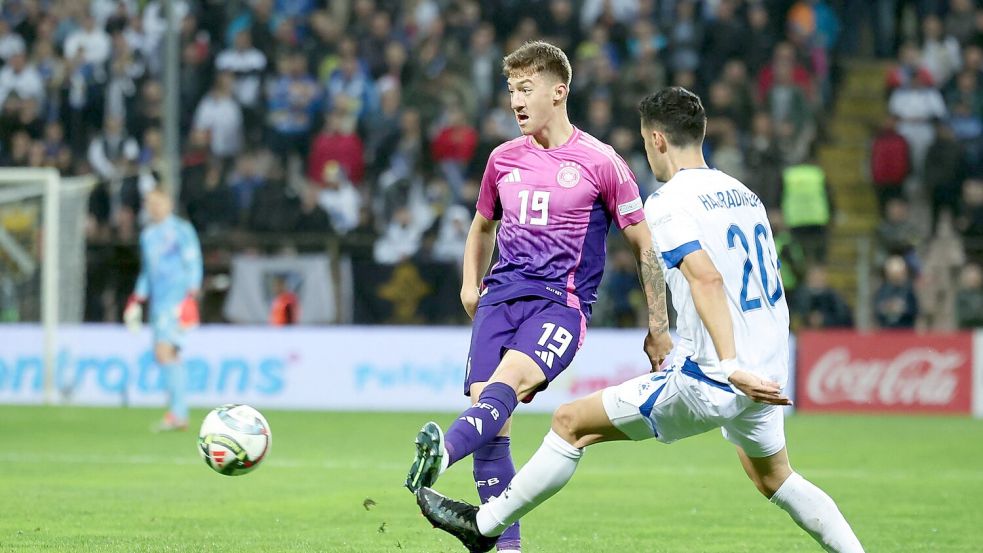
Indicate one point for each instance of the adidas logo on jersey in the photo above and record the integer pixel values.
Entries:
(476, 423)
(547, 357)
(513, 176)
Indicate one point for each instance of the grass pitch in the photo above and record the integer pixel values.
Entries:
(78, 479)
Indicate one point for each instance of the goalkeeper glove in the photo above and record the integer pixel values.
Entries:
(187, 315)
(133, 314)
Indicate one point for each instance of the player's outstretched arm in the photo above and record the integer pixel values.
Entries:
(477, 256)
(658, 343)
(707, 287)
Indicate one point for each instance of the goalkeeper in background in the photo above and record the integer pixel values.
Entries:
(170, 277)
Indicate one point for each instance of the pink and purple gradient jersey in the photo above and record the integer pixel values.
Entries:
(555, 207)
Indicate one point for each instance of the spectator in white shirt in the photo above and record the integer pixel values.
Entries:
(20, 78)
(940, 51)
(219, 113)
(917, 106)
(339, 199)
(401, 240)
(452, 235)
(11, 43)
(247, 64)
(91, 40)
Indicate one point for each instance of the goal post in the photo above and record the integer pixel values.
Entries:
(42, 223)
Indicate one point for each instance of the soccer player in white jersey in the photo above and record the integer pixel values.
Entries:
(731, 359)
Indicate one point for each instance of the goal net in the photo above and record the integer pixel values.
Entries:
(42, 253)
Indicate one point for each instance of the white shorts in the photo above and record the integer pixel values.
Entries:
(680, 402)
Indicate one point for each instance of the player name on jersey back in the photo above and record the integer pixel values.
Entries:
(726, 199)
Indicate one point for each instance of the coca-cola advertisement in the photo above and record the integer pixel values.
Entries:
(885, 371)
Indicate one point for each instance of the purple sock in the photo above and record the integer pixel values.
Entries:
(480, 424)
(493, 470)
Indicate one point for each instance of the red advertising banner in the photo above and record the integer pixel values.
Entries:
(885, 371)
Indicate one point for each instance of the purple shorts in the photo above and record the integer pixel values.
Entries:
(545, 330)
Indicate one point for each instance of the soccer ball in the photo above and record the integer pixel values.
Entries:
(234, 439)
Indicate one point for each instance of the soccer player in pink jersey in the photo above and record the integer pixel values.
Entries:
(551, 194)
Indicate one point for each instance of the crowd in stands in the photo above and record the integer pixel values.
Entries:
(927, 171)
(371, 120)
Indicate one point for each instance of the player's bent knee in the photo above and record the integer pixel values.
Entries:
(566, 422)
(164, 353)
(770, 484)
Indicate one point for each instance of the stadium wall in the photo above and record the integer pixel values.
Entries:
(422, 368)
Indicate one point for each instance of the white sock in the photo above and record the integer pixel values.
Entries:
(816, 513)
(548, 470)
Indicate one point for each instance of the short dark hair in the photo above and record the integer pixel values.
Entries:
(538, 57)
(677, 112)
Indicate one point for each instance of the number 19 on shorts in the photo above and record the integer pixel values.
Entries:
(556, 339)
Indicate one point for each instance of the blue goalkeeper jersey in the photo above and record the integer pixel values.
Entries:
(170, 263)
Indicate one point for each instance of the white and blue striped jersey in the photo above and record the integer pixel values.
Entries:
(705, 209)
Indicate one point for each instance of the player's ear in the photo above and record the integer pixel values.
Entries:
(661, 143)
(560, 92)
